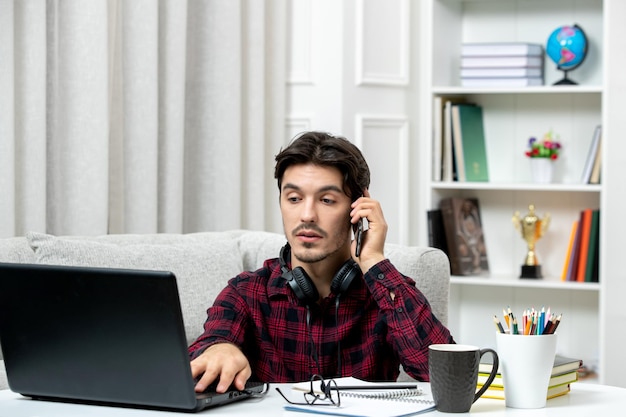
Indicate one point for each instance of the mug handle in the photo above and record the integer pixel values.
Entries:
(492, 375)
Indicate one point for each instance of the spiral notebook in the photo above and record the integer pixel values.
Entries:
(370, 402)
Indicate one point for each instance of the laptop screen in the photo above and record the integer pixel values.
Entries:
(95, 334)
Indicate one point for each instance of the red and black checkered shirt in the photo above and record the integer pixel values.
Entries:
(373, 331)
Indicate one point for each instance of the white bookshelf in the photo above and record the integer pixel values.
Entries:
(524, 186)
(511, 116)
(513, 282)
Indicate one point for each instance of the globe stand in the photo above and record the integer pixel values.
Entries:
(565, 80)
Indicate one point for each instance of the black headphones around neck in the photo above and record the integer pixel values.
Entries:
(301, 283)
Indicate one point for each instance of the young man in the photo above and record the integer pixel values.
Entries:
(319, 308)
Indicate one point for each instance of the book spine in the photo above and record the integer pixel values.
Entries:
(597, 164)
(501, 49)
(498, 393)
(502, 82)
(437, 139)
(436, 231)
(571, 273)
(502, 62)
(568, 255)
(584, 245)
(596, 258)
(473, 142)
(501, 72)
(555, 380)
(591, 155)
(447, 214)
(447, 142)
(593, 242)
(447, 163)
(457, 143)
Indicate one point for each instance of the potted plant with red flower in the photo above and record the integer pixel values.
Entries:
(542, 153)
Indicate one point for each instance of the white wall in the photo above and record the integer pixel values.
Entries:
(350, 73)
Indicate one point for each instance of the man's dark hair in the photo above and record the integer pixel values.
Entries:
(324, 149)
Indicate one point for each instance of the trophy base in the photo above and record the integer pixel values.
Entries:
(531, 271)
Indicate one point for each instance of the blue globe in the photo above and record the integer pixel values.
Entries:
(567, 47)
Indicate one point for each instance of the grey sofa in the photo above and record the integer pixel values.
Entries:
(203, 263)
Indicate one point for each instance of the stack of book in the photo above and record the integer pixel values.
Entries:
(564, 373)
(583, 249)
(501, 64)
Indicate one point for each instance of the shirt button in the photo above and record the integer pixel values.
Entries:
(399, 309)
(381, 276)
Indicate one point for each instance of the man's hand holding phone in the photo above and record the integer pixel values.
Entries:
(358, 236)
(370, 243)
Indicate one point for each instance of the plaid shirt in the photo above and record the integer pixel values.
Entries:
(374, 332)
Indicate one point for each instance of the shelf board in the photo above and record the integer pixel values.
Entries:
(506, 186)
(524, 283)
(544, 89)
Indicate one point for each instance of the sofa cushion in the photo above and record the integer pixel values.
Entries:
(257, 247)
(15, 250)
(4, 384)
(202, 262)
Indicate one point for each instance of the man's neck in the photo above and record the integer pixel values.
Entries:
(323, 272)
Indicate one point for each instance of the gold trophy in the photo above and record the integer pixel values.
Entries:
(532, 229)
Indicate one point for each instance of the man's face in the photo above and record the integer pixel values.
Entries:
(315, 213)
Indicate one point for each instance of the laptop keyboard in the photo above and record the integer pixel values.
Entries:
(232, 392)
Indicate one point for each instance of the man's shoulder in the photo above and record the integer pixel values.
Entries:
(264, 275)
(264, 282)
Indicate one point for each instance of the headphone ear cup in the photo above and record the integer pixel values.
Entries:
(303, 287)
(297, 279)
(344, 277)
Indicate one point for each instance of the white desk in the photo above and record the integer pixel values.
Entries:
(584, 400)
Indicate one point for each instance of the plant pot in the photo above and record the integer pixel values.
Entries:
(541, 170)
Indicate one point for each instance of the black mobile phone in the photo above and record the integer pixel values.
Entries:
(358, 236)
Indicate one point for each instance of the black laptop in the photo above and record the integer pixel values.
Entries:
(99, 335)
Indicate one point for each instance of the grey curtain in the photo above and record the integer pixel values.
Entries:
(140, 116)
